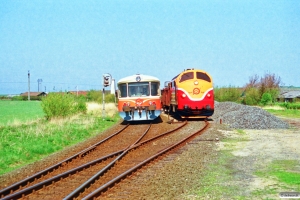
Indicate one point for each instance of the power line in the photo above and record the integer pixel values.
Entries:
(49, 83)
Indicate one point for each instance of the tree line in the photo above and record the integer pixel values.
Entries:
(258, 91)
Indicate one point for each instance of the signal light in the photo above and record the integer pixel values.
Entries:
(106, 81)
(183, 95)
(208, 95)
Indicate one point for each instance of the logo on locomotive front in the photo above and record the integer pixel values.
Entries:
(196, 91)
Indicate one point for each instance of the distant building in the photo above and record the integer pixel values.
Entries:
(289, 96)
(33, 95)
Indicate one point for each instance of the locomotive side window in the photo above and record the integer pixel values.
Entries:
(123, 90)
(203, 76)
(138, 89)
(154, 89)
(187, 76)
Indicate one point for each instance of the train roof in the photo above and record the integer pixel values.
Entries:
(138, 78)
(186, 70)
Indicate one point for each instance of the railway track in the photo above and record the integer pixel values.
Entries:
(92, 171)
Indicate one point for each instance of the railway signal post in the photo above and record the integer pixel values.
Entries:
(106, 82)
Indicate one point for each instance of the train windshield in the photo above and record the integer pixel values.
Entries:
(154, 89)
(203, 76)
(123, 90)
(186, 76)
(138, 89)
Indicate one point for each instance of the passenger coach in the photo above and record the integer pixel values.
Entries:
(139, 97)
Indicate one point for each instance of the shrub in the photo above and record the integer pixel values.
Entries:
(62, 105)
(17, 98)
(266, 99)
(274, 92)
(227, 94)
(81, 104)
(289, 105)
(252, 97)
(97, 96)
(110, 98)
(94, 95)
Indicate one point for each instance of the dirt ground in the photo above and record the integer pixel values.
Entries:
(259, 150)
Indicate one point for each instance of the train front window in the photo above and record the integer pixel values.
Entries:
(138, 89)
(154, 89)
(186, 76)
(123, 90)
(203, 76)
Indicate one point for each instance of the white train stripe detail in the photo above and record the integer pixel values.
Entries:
(195, 99)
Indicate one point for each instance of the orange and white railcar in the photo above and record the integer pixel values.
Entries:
(190, 94)
(139, 97)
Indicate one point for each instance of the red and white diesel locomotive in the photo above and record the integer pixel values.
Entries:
(139, 97)
(190, 94)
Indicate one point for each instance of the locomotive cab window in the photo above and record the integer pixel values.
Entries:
(186, 76)
(138, 89)
(203, 76)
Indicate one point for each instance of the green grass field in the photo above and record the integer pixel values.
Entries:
(23, 143)
(290, 113)
(19, 111)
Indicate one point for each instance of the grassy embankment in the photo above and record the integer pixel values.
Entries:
(25, 136)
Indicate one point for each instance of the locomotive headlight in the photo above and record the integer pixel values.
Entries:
(196, 82)
(183, 95)
(208, 95)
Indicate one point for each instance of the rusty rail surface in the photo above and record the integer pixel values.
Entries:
(10, 189)
(75, 193)
(79, 190)
(97, 193)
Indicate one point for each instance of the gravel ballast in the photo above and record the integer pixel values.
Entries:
(239, 116)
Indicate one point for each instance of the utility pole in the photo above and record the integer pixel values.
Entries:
(28, 85)
(39, 82)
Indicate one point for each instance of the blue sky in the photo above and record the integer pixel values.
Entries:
(72, 43)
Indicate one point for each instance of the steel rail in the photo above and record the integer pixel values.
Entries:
(10, 189)
(29, 190)
(76, 192)
(104, 187)
(86, 184)
(56, 178)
